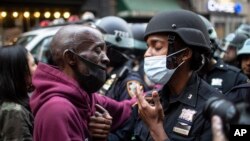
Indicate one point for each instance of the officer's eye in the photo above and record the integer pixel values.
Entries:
(158, 45)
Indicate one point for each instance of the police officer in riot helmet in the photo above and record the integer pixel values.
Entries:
(243, 56)
(215, 72)
(175, 49)
(122, 79)
(232, 43)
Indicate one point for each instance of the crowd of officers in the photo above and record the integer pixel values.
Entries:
(225, 66)
(150, 81)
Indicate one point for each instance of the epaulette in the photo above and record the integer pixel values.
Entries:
(241, 86)
(233, 68)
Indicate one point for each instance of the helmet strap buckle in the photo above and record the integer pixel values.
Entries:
(171, 39)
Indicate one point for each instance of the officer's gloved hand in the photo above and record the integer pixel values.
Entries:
(100, 123)
(217, 129)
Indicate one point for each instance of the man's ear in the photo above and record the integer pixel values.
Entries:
(69, 57)
(187, 55)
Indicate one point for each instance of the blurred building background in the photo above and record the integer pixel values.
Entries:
(18, 16)
(225, 15)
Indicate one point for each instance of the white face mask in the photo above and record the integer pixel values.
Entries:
(156, 70)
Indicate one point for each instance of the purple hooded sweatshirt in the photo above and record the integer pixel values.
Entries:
(62, 109)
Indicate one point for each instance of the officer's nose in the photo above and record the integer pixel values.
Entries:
(148, 52)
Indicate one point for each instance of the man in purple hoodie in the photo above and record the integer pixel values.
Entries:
(63, 101)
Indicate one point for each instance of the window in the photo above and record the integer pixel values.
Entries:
(41, 50)
(24, 40)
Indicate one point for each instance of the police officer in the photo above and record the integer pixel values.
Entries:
(243, 57)
(232, 43)
(176, 41)
(122, 79)
(215, 72)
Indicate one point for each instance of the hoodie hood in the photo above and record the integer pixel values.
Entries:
(51, 82)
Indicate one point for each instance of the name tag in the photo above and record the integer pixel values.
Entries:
(185, 121)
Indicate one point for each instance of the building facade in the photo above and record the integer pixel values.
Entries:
(225, 15)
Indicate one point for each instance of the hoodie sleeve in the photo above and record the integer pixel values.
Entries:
(120, 111)
(58, 120)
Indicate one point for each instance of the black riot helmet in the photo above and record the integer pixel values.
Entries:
(185, 24)
(215, 48)
(118, 37)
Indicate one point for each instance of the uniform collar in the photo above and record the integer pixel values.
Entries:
(220, 65)
(188, 96)
(190, 93)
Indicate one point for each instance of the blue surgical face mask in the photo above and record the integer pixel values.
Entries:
(156, 69)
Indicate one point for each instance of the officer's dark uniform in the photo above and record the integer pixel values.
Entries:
(240, 96)
(223, 76)
(239, 93)
(184, 120)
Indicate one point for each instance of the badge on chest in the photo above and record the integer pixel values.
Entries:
(185, 121)
(216, 82)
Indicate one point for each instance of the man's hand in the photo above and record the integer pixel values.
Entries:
(151, 114)
(100, 123)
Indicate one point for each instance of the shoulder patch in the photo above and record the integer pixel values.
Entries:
(131, 87)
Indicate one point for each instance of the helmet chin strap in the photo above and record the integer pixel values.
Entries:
(171, 49)
(171, 39)
(202, 63)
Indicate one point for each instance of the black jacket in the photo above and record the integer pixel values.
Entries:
(184, 119)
